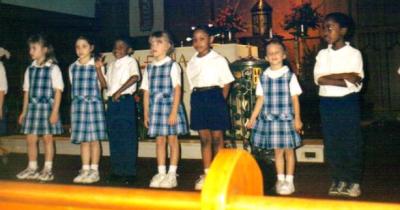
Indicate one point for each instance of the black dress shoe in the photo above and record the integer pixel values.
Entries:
(114, 179)
(128, 180)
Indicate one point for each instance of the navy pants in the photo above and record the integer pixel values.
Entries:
(340, 119)
(122, 135)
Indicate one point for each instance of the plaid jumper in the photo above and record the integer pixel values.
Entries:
(274, 128)
(87, 109)
(161, 100)
(41, 99)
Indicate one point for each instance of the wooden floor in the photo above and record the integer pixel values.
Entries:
(381, 176)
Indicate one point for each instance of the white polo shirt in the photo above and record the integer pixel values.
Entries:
(294, 85)
(175, 74)
(344, 60)
(119, 72)
(3, 78)
(56, 76)
(209, 70)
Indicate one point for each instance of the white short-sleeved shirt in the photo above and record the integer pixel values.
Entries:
(3, 78)
(119, 72)
(56, 76)
(344, 60)
(90, 63)
(175, 74)
(294, 85)
(209, 70)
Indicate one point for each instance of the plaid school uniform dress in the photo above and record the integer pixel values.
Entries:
(41, 99)
(87, 109)
(274, 128)
(161, 100)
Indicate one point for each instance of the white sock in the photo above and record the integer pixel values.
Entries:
(281, 177)
(172, 169)
(94, 167)
(289, 178)
(85, 167)
(206, 171)
(48, 165)
(33, 165)
(162, 169)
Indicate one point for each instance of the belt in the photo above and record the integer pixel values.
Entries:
(200, 89)
(124, 96)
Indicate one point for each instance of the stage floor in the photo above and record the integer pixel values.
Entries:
(381, 176)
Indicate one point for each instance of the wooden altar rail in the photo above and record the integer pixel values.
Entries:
(234, 182)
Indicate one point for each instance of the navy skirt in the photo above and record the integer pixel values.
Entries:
(209, 110)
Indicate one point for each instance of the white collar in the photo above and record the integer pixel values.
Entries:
(90, 62)
(282, 70)
(123, 59)
(161, 62)
(47, 64)
(346, 45)
(210, 54)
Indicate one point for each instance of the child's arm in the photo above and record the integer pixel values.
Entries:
(24, 107)
(100, 75)
(225, 90)
(2, 94)
(56, 106)
(146, 108)
(298, 124)
(175, 105)
(339, 79)
(132, 80)
(256, 112)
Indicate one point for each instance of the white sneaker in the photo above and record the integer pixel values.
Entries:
(200, 182)
(28, 173)
(156, 180)
(46, 175)
(278, 187)
(352, 190)
(287, 188)
(92, 177)
(83, 174)
(169, 181)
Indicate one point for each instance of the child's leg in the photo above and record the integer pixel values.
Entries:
(95, 154)
(206, 147)
(32, 149)
(280, 164)
(174, 153)
(290, 161)
(85, 155)
(161, 154)
(217, 141)
(48, 148)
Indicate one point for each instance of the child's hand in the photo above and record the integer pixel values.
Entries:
(250, 123)
(1, 114)
(116, 96)
(53, 118)
(99, 62)
(353, 78)
(146, 121)
(298, 126)
(172, 119)
(21, 118)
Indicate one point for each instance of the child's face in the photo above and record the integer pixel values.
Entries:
(37, 51)
(83, 48)
(275, 54)
(202, 42)
(333, 32)
(121, 49)
(159, 46)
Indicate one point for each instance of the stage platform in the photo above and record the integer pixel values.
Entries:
(310, 152)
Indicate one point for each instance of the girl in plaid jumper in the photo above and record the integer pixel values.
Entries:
(87, 111)
(163, 111)
(43, 85)
(276, 118)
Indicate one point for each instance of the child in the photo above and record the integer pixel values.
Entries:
(209, 78)
(338, 72)
(3, 92)
(278, 110)
(120, 80)
(87, 111)
(43, 85)
(165, 118)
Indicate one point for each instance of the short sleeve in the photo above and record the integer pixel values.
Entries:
(70, 73)
(3, 79)
(226, 76)
(317, 68)
(145, 81)
(294, 86)
(25, 86)
(133, 68)
(56, 78)
(359, 63)
(259, 90)
(176, 75)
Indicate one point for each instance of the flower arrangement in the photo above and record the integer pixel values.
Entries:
(229, 20)
(302, 17)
